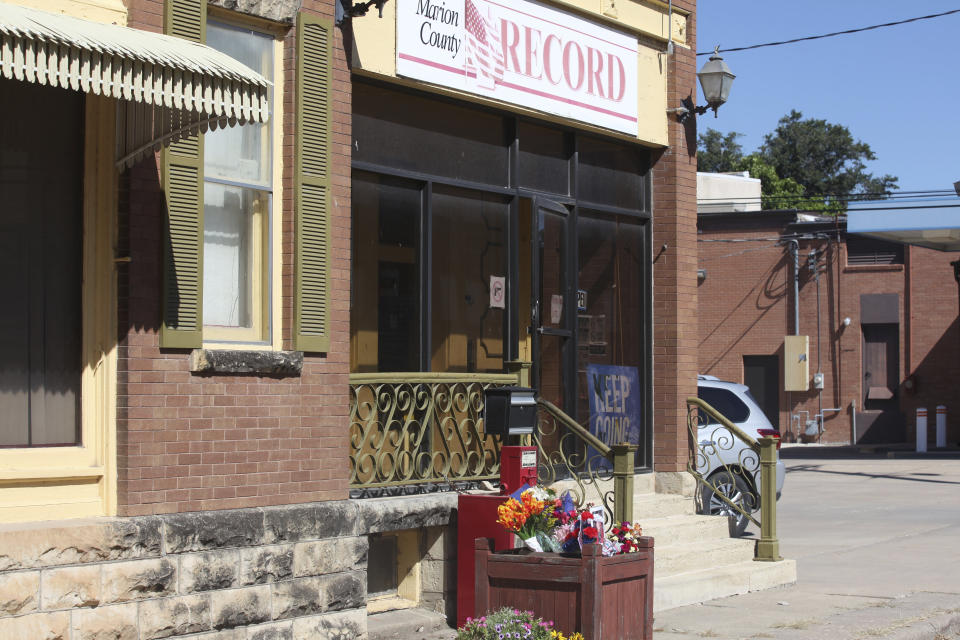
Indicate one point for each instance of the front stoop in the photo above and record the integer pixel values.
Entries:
(696, 559)
(409, 624)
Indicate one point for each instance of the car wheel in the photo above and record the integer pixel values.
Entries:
(734, 488)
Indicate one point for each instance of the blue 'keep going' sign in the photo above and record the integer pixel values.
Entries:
(614, 394)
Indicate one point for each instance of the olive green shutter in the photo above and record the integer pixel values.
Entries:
(183, 211)
(314, 79)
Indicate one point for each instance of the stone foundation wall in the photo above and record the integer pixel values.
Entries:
(276, 573)
(438, 570)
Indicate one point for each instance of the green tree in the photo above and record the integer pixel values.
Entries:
(717, 153)
(824, 159)
(782, 193)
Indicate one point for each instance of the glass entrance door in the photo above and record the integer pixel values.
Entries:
(552, 296)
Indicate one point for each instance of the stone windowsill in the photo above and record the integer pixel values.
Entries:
(271, 363)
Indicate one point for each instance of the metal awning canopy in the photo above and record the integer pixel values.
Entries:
(934, 227)
(167, 87)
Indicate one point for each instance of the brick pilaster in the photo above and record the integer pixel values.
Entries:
(675, 264)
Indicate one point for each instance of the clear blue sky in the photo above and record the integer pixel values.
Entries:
(895, 88)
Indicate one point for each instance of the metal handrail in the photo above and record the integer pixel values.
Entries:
(431, 376)
(768, 546)
(574, 426)
(580, 467)
(722, 419)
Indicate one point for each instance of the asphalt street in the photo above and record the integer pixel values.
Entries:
(877, 544)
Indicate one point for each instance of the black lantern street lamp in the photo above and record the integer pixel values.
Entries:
(715, 81)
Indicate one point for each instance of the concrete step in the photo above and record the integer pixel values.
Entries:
(719, 582)
(409, 624)
(695, 556)
(659, 505)
(684, 529)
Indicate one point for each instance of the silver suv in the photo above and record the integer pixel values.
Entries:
(721, 453)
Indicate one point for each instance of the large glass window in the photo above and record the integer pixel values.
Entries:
(238, 192)
(610, 252)
(385, 299)
(41, 129)
(444, 204)
(469, 262)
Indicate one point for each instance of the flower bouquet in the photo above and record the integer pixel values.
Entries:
(624, 537)
(529, 517)
(546, 522)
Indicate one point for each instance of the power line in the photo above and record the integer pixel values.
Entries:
(848, 197)
(835, 33)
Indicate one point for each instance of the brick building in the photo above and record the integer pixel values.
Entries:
(883, 332)
(185, 407)
(187, 446)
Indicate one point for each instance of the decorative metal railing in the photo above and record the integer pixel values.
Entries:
(736, 473)
(572, 458)
(419, 429)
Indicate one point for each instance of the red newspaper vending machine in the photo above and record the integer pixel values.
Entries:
(477, 518)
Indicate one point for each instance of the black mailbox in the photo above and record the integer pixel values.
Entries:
(509, 411)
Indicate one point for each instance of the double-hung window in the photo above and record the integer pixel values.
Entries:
(238, 201)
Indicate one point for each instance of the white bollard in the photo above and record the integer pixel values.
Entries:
(941, 426)
(921, 430)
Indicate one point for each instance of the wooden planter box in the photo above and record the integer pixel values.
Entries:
(603, 598)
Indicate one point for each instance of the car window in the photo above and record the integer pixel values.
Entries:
(726, 402)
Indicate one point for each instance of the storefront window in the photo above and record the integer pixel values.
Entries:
(469, 261)
(385, 300)
(609, 330)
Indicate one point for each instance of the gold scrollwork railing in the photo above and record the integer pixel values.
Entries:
(572, 458)
(737, 474)
(421, 428)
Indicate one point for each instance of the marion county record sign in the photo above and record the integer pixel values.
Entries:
(522, 52)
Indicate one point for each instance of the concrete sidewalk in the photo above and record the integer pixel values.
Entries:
(877, 542)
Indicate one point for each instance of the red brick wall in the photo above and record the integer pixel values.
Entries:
(933, 357)
(745, 308)
(190, 442)
(674, 266)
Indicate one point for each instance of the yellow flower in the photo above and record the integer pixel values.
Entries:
(577, 636)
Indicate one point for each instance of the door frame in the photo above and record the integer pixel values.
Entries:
(541, 205)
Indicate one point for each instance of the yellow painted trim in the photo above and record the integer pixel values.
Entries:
(79, 481)
(105, 11)
(100, 293)
(53, 473)
(276, 231)
(408, 565)
(408, 575)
